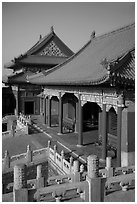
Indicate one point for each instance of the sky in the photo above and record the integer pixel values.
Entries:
(73, 22)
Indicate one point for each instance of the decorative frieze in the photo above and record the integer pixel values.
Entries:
(49, 92)
(108, 97)
(91, 98)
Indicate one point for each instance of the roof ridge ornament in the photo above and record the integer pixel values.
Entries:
(52, 29)
(93, 35)
(40, 37)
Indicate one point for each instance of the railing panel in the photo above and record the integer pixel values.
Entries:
(66, 166)
(59, 160)
(51, 154)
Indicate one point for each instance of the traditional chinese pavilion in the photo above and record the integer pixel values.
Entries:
(95, 88)
(48, 52)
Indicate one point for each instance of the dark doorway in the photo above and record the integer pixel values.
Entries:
(90, 116)
(4, 127)
(29, 107)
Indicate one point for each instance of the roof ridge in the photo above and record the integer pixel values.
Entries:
(39, 42)
(91, 40)
(120, 29)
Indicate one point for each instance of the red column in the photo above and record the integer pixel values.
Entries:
(44, 109)
(80, 119)
(119, 123)
(77, 116)
(46, 114)
(17, 101)
(49, 111)
(99, 124)
(60, 114)
(104, 132)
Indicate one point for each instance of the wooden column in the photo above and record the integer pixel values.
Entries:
(80, 122)
(49, 111)
(77, 116)
(40, 105)
(99, 124)
(119, 123)
(46, 114)
(104, 132)
(17, 101)
(44, 110)
(60, 114)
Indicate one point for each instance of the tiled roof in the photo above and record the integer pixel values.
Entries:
(45, 40)
(46, 60)
(125, 73)
(19, 78)
(85, 67)
(33, 55)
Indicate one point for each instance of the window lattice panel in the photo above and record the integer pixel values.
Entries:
(52, 50)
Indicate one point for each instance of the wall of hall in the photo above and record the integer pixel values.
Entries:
(8, 101)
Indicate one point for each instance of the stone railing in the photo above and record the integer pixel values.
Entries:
(63, 192)
(23, 122)
(27, 157)
(59, 162)
(90, 185)
(122, 182)
(24, 119)
(6, 133)
(110, 171)
(22, 125)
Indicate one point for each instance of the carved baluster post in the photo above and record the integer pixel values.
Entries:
(6, 162)
(96, 184)
(55, 150)
(29, 154)
(110, 170)
(62, 157)
(49, 143)
(20, 192)
(39, 179)
(76, 171)
(71, 163)
(81, 171)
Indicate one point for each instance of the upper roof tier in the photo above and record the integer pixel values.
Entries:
(49, 50)
(108, 55)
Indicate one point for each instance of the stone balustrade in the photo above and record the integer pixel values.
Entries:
(120, 182)
(23, 122)
(90, 185)
(64, 191)
(6, 133)
(27, 157)
(24, 119)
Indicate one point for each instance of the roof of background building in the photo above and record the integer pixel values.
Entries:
(18, 78)
(93, 64)
(49, 50)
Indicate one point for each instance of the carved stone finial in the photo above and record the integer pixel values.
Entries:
(52, 29)
(93, 34)
(6, 153)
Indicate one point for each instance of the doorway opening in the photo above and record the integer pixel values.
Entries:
(29, 107)
(90, 116)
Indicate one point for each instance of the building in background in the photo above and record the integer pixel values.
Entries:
(48, 52)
